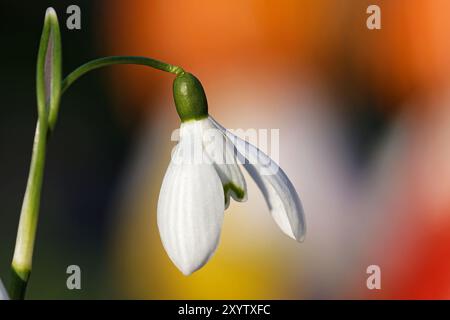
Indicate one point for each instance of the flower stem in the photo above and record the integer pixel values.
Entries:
(26, 234)
(103, 62)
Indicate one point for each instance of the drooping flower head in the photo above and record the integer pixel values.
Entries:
(204, 174)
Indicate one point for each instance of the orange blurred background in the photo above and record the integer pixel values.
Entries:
(364, 119)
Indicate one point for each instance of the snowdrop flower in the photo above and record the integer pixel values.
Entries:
(3, 293)
(204, 174)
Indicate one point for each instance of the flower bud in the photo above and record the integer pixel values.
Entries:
(48, 77)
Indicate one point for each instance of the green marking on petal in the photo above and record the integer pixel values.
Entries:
(231, 187)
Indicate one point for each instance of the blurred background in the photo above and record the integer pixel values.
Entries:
(364, 119)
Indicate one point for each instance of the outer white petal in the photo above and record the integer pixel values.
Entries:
(223, 153)
(3, 293)
(190, 206)
(278, 190)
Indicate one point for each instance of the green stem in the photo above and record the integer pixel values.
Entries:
(26, 234)
(107, 61)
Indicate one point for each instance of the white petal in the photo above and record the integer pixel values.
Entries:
(3, 293)
(190, 207)
(278, 190)
(223, 153)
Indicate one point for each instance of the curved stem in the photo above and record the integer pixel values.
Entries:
(103, 62)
